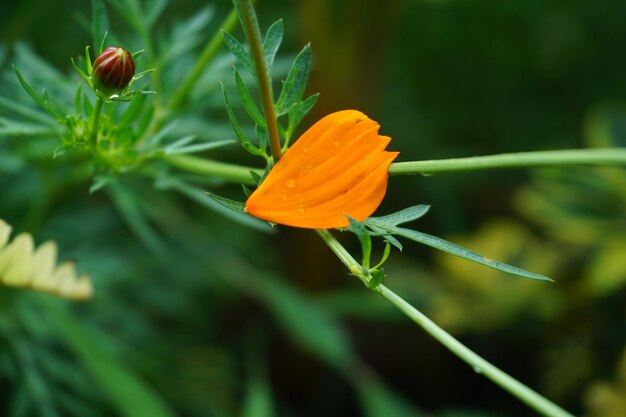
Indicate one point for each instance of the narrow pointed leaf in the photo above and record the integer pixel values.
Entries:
(297, 113)
(99, 23)
(294, 86)
(272, 41)
(364, 238)
(239, 51)
(248, 102)
(228, 203)
(461, 252)
(43, 101)
(402, 216)
(245, 143)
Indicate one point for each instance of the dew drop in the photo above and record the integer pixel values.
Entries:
(307, 167)
(300, 209)
(290, 183)
(305, 149)
(478, 370)
(335, 142)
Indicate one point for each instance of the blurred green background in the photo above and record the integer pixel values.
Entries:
(220, 320)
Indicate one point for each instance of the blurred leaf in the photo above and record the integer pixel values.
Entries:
(376, 400)
(308, 323)
(258, 399)
(99, 24)
(131, 396)
(605, 272)
(154, 9)
(130, 209)
(26, 111)
(186, 35)
(293, 88)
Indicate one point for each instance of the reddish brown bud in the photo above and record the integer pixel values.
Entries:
(113, 70)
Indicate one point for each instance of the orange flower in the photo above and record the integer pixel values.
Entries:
(338, 167)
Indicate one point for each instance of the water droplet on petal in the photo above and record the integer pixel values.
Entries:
(285, 198)
(335, 142)
(307, 167)
(290, 183)
(300, 209)
(305, 149)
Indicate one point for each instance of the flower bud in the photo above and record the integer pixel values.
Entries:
(113, 69)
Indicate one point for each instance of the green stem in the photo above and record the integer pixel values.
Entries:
(599, 157)
(180, 96)
(537, 402)
(93, 138)
(251, 29)
(606, 156)
(225, 171)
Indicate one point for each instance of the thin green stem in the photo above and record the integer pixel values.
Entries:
(537, 402)
(606, 157)
(228, 172)
(206, 56)
(599, 157)
(251, 29)
(93, 138)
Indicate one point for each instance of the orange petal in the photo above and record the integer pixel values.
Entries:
(338, 167)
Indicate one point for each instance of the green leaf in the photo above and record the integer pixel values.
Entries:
(402, 216)
(228, 203)
(297, 113)
(258, 398)
(186, 35)
(364, 238)
(248, 102)
(262, 137)
(294, 86)
(42, 100)
(130, 396)
(239, 51)
(80, 72)
(99, 24)
(245, 143)
(271, 43)
(459, 251)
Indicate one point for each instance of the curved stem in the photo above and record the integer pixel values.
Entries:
(537, 402)
(251, 29)
(606, 156)
(93, 138)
